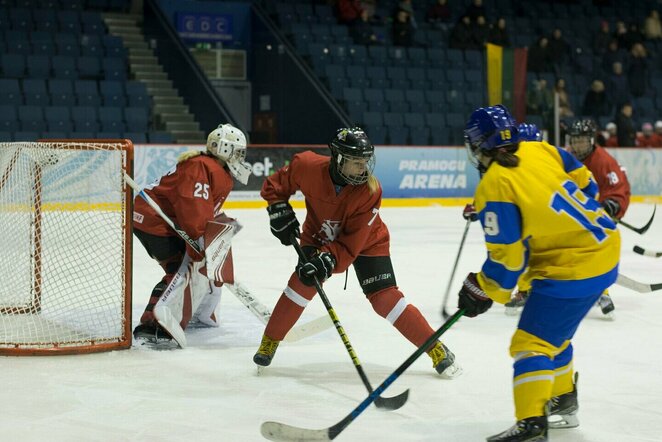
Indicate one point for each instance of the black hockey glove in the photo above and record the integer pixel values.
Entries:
(469, 213)
(472, 298)
(319, 266)
(611, 207)
(283, 222)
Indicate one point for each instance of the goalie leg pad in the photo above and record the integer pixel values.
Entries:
(205, 315)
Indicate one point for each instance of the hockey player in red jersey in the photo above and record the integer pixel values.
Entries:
(612, 182)
(342, 228)
(191, 194)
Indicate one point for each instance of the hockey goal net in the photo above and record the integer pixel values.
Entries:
(65, 261)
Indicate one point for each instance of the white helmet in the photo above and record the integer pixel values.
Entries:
(228, 143)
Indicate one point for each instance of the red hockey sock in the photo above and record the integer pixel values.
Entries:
(390, 303)
(294, 299)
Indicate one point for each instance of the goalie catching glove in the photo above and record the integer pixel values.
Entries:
(283, 222)
(319, 266)
(472, 298)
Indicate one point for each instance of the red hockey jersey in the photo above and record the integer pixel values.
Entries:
(346, 224)
(191, 194)
(611, 179)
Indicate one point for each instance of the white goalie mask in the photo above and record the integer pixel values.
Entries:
(228, 143)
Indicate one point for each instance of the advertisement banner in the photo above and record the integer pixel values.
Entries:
(199, 26)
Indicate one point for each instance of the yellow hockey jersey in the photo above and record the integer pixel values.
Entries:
(543, 214)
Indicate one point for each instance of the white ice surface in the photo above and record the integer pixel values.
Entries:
(210, 391)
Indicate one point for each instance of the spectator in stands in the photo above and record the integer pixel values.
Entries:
(475, 10)
(652, 26)
(362, 31)
(658, 130)
(625, 126)
(480, 32)
(439, 12)
(633, 35)
(619, 89)
(558, 49)
(613, 55)
(499, 34)
(538, 59)
(596, 101)
(461, 37)
(602, 38)
(611, 140)
(638, 70)
(620, 34)
(648, 138)
(349, 11)
(565, 106)
(408, 7)
(540, 101)
(403, 31)
(371, 7)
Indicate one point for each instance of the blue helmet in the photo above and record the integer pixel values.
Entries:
(488, 129)
(529, 132)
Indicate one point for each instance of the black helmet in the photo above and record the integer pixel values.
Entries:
(581, 138)
(353, 156)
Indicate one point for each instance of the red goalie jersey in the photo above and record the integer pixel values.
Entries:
(611, 179)
(346, 224)
(190, 194)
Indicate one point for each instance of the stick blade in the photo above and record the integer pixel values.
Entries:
(631, 284)
(309, 329)
(282, 432)
(642, 251)
(392, 403)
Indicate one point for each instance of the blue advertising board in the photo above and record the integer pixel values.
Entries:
(202, 26)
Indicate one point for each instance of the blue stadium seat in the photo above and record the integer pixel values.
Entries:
(473, 59)
(398, 77)
(89, 67)
(21, 18)
(416, 56)
(112, 92)
(82, 135)
(440, 135)
(35, 92)
(87, 93)
(396, 100)
(455, 58)
(8, 118)
(114, 47)
(64, 67)
(377, 77)
(376, 134)
(416, 77)
(414, 120)
(436, 101)
(92, 22)
(416, 100)
(17, 42)
(137, 119)
(357, 76)
(72, 5)
(375, 99)
(419, 136)
(136, 137)
(42, 43)
(10, 92)
(473, 77)
(378, 55)
(373, 119)
(436, 79)
(455, 78)
(393, 119)
(160, 138)
(397, 56)
(4, 19)
(31, 118)
(6, 137)
(46, 19)
(62, 92)
(137, 93)
(69, 21)
(435, 119)
(435, 57)
(26, 136)
(109, 135)
(358, 54)
(54, 135)
(38, 66)
(111, 119)
(85, 118)
(67, 44)
(58, 119)
(90, 44)
(398, 135)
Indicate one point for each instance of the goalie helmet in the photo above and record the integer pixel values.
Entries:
(489, 129)
(581, 138)
(352, 156)
(529, 132)
(227, 143)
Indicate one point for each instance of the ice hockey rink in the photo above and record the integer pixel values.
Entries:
(210, 390)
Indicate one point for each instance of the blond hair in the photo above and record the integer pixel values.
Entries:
(188, 155)
(373, 184)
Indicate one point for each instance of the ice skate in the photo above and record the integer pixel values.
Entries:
(563, 409)
(606, 306)
(155, 336)
(515, 305)
(526, 430)
(443, 360)
(266, 352)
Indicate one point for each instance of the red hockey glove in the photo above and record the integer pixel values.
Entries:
(469, 213)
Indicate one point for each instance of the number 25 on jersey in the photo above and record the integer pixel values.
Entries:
(201, 191)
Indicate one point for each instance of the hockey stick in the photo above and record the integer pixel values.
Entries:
(646, 252)
(283, 432)
(444, 313)
(637, 286)
(639, 230)
(387, 403)
(263, 314)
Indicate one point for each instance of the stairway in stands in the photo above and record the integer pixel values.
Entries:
(169, 110)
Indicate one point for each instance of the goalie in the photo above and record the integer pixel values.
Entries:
(191, 194)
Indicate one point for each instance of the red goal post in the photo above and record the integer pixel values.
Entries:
(65, 215)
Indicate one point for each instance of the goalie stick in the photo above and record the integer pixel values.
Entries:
(244, 296)
(646, 252)
(637, 286)
(282, 432)
(387, 403)
(639, 230)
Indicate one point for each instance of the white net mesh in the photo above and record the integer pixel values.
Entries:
(63, 218)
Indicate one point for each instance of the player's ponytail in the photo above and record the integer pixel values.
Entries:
(188, 155)
(505, 156)
(373, 184)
